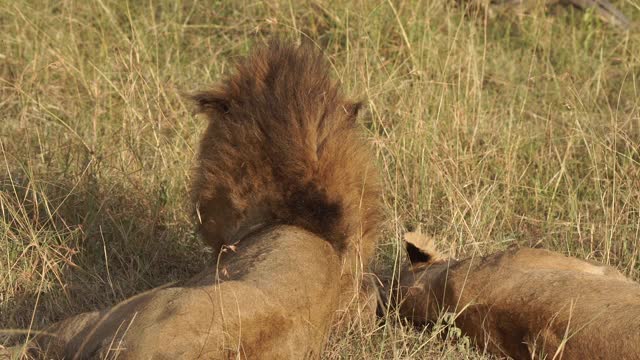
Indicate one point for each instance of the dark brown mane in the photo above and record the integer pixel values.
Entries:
(283, 147)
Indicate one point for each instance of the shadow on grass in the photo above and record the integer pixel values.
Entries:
(75, 246)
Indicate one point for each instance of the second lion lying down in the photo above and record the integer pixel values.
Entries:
(288, 197)
(525, 303)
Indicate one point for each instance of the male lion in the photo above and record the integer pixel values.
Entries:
(525, 303)
(288, 197)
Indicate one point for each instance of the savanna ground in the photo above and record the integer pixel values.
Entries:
(489, 132)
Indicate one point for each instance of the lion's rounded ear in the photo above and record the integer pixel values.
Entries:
(421, 248)
(211, 101)
(416, 255)
(352, 109)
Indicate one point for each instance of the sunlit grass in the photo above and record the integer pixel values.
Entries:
(490, 132)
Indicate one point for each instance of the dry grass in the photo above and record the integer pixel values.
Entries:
(490, 133)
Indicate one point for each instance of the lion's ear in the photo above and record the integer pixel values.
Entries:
(207, 101)
(352, 109)
(416, 256)
(420, 248)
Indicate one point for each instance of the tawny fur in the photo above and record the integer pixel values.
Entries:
(283, 147)
(284, 173)
(273, 298)
(527, 303)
